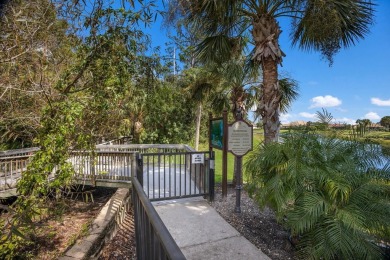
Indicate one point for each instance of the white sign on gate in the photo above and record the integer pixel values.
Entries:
(197, 158)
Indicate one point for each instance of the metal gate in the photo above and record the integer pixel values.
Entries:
(176, 175)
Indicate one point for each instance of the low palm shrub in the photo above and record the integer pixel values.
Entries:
(328, 192)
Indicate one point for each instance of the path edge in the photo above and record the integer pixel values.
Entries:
(103, 228)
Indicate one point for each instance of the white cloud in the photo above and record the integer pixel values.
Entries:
(372, 116)
(307, 115)
(284, 118)
(325, 101)
(380, 102)
(344, 120)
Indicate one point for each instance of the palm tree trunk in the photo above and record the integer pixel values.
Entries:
(266, 33)
(270, 100)
(197, 125)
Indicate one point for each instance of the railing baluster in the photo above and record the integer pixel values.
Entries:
(185, 174)
(180, 174)
(174, 174)
(164, 177)
(153, 240)
(170, 179)
(153, 176)
(159, 176)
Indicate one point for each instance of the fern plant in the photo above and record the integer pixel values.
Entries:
(328, 192)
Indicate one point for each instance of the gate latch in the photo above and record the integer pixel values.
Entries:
(212, 164)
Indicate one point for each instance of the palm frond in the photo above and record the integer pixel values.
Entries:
(324, 117)
(327, 26)
(325, 190)
(289, 90)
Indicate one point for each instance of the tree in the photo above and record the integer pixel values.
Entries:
(324, 26)
(362, 125)
(169, 116)
(289, 92)
(73, 83)
(385, 121)
(198, 83)
(34, 51)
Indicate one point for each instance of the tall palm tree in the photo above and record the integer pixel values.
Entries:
(324, 26)
(241, 87)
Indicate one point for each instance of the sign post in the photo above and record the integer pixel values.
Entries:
(240, 142)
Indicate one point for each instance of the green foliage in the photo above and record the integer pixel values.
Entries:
(230, 26)
(34, 52)
(58, 135)
(324, 117)
(18, 230)
(362, 126)
(65, 83)
(14, 247)
(385, 121)
(170, 117)
(327, 191)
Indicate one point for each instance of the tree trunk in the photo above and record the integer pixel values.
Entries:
(266, 33)
(197, 126)
(270, 101)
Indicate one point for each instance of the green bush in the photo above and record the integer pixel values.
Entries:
(327, 192)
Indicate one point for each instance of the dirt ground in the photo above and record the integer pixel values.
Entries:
(57, 232)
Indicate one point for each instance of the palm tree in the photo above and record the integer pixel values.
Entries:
(362, 125)
(198, 83)
(324, 117)
(242, 87)
(288, 91)
(324, 26)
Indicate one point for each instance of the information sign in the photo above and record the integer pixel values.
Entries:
(240, 138)
(216, 133)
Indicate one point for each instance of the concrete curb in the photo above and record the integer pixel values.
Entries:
(103, 228)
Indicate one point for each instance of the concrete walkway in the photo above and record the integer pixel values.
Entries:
(201, 233)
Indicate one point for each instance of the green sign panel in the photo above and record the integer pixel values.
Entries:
(216, 133)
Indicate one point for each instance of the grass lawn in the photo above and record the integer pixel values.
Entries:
(379, 137)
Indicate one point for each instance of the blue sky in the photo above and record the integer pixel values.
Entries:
(357, 86)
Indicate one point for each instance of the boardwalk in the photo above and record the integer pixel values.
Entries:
(167, 174)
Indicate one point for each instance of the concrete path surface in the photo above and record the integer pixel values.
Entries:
(201, 233)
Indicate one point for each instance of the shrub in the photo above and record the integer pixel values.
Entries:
(328, 192)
